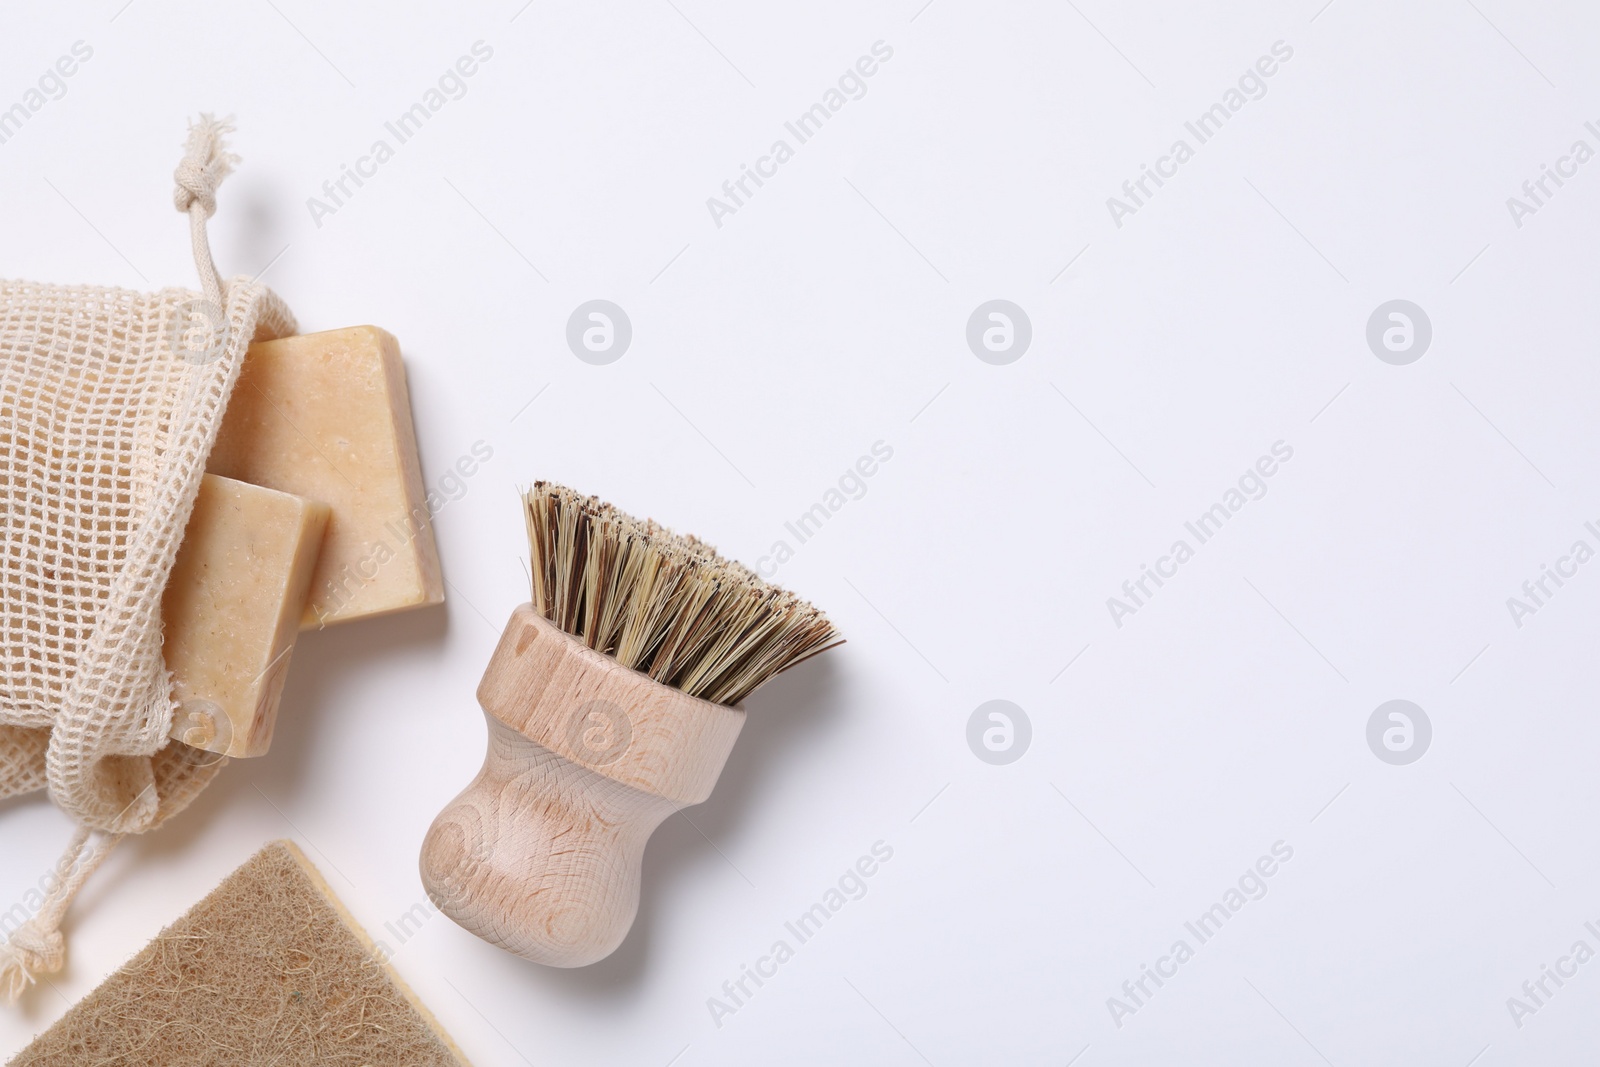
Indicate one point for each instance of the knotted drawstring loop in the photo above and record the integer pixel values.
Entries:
(206, 161)
(37, 947)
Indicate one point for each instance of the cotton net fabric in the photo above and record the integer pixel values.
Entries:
(110, 402)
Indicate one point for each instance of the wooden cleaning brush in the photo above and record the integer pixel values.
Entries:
(613, 699)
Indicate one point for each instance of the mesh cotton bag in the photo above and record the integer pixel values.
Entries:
(109, 404)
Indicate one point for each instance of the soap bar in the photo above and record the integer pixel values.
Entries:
(232, 610)
(327, 416)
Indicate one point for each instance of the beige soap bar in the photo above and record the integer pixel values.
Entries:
(232, 611)
(326, 416)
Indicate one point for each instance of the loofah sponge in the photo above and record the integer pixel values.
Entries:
(269, 968)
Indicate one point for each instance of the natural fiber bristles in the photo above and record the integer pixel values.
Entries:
(665, 605)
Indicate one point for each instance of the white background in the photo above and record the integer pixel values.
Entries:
(829, 313)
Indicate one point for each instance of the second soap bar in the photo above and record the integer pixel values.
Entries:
(232, 610)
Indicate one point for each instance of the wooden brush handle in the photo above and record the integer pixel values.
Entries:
(541, 853)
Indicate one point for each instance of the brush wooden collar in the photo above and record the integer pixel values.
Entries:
(542, 853)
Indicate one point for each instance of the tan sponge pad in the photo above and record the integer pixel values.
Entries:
(267, 969)
(327, 416)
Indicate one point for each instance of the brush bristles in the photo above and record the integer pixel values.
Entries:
(665, 605)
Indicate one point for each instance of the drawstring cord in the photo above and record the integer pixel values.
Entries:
(37, 947)
(206, 161)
